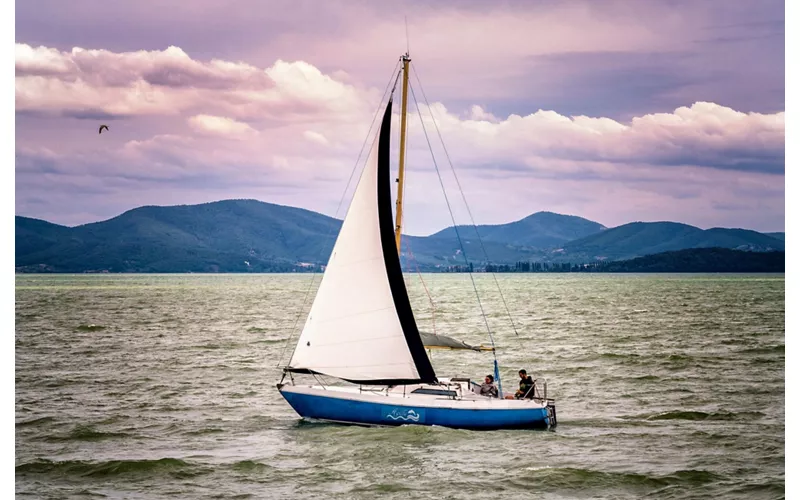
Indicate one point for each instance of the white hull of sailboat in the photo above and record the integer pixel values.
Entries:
(354, 405)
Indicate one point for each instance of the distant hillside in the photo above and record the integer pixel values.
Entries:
(231, 235)
(430, 252)
(33, 235)
(224, 236)
(777, 236)
(690, 260)
(645, 238)
(539, 230)
(703, 260)
(252, 236)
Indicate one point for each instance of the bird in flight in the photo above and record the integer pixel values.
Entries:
(101, 128)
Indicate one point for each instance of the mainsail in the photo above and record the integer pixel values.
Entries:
(361, 327)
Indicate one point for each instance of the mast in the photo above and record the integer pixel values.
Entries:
(401, 173)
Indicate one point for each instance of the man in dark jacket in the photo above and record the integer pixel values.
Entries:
(525, 386)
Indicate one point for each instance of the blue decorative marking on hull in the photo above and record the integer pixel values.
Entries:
(403, 414)
(369, 413)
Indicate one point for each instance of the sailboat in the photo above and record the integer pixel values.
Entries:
(361, 328)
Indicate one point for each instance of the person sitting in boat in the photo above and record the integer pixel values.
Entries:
(525, 386)
(488, 388)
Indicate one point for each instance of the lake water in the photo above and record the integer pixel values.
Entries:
(154, 386)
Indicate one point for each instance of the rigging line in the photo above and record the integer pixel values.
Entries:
(455, 226)
(464, 198)
(338, 207)
(320, 383)
(430, 298)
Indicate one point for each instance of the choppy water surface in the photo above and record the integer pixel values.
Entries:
(142, 386)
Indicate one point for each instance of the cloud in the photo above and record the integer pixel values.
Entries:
(223, 95)
(612, 58)
(40, 61)
(703, 134)
(315, 137)
(220, 125)
(477, 113)
(64, 188)
(170, 82)
(171, 67)
(298, 130)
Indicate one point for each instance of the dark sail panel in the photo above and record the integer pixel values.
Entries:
(392, 259)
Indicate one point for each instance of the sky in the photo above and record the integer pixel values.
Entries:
(612, 111)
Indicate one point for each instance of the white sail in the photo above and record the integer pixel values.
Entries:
(354, 331)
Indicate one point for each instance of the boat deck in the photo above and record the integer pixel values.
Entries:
(449, 393)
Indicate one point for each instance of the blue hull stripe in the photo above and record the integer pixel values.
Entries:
(368, 413)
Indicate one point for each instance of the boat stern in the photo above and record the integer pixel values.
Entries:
(552, 419)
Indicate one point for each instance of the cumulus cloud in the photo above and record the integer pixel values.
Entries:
(477, 113)
(300, 128)
(64, 188)
(220, 125)
(315, 137)
(169, 81)
(226, 97)
(39, 61)
(171, 67)
(703, 134)
(616, 59)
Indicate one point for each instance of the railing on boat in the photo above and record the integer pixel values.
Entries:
(540, 391)
(454, 390)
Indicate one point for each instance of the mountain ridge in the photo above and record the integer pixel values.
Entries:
(636, 239)
(246, 235)
(539, 230)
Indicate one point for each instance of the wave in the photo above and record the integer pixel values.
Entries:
(767, 361)
(214, 347)
(34, 421)
(62, 382)
(771, 349)
(769, 489)
(90, 328)
(241, 395)
(569, 477)
(86, 433)
(90, 493)
(172, 466)
(679, 357)
(701, 415)
(249, 465)
(381, 488)
(615, 355)
(205, 430)
(270, 341)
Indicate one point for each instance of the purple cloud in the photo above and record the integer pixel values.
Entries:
(556, 105)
